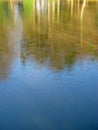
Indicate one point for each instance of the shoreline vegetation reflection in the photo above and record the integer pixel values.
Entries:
(54, 33)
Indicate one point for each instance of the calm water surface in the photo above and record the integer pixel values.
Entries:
(48, 65)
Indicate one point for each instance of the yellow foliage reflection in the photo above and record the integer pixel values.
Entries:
(55, 32)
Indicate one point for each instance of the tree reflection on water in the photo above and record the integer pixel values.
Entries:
(57, 33)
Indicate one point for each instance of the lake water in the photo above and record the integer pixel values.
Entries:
(48, 65)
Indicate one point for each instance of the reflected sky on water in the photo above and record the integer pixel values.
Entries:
(48, 65)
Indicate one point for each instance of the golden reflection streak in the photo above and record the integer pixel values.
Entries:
(33, 16)
(58, 10)
(82, 9)
(12, 7)
(78, 7)
(72, 3)
(81, 20)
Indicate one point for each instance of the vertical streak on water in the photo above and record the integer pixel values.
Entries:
(81, 20)
(58, 10)
(18, 29)
(72, 2)
(15, 30)
(78, 7)
(34, 16)
(38, 15)
(49, 25)
(53, 19)
(82, 10)
(53, 7)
